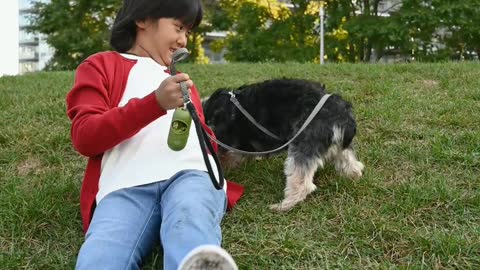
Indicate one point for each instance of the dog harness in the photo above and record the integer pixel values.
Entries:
(234, 100)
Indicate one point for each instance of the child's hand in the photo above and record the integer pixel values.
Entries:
(169, 94)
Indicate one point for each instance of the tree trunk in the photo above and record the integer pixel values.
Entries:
(351, 52)
(366, 7)
(368, 52)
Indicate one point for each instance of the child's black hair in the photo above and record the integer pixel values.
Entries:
(124, 30)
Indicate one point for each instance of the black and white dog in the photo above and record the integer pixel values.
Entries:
(282, 106)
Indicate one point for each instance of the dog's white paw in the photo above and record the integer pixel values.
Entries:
(311, 187)
(280, 207)
(284, 205)
(355, 170)
(293, 197)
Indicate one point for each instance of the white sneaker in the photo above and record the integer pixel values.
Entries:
(208, 257)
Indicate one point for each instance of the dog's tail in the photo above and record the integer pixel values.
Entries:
(348, 135)
(345, 129)
(350, 127)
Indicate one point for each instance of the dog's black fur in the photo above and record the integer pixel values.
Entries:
(282, 106)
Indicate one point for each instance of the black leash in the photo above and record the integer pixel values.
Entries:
(203, 138)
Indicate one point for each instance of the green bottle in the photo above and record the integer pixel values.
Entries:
(179, 129)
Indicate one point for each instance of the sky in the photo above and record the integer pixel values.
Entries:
(9, 34)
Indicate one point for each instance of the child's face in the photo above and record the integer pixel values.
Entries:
(163, 38)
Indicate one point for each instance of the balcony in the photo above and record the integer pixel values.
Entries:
(30, 42)
(28, 56)
(33, 58)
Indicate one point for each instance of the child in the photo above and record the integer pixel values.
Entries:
(136, 190)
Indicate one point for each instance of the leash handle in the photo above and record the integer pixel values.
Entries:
(179, 55)
(186, 115)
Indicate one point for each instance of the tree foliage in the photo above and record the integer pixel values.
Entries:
(270, 30)
(442, 29)
(79, 28)
(74, 28)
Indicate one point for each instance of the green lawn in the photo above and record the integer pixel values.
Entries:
(417, 206)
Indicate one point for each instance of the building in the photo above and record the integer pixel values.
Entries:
(33, 50)
(387, 6)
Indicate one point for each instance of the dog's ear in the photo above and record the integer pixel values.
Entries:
(324, 88)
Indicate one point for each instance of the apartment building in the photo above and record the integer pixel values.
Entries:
(33, 50)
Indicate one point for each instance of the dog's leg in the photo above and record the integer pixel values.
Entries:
(230, 160)
(299, 174)
(346, 163)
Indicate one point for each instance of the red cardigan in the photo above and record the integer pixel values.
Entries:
(98, 124)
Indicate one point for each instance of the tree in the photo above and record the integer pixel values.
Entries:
(268, 31)
(79, 28)
(441, 29)
(459, 25)
(420, 25)
(360, 28)
(74, 28)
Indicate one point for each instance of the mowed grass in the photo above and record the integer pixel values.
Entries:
(417, 206)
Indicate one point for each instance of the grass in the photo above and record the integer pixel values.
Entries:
(417, 206)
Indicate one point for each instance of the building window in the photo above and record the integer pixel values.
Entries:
(24, 20)
(26, 37)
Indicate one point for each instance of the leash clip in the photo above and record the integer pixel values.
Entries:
(232, 95)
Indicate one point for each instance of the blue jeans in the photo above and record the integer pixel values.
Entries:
(182, 212)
